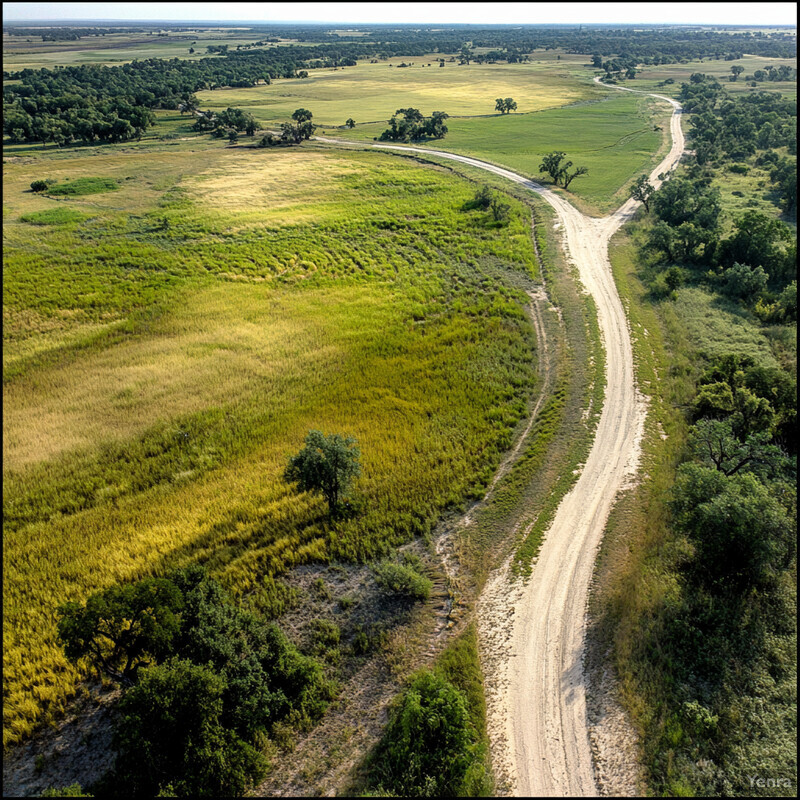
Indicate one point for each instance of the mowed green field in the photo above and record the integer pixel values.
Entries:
(373, 92)
(616, 138)
(169, 344)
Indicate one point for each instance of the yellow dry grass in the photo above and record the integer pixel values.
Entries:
(372, 92)
(229, 340)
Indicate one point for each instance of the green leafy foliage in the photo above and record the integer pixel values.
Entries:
(170, 734)
(741, 532)
(326, 464)
(123, 628)
(426, 750)
(403, 580)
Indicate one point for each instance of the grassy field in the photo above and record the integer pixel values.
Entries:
(615, 137)
(117, 48)
(168, 349)
(721, 70)
(373, 92)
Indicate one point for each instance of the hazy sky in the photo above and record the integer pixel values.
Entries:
(751, 13)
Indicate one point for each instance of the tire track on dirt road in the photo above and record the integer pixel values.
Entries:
(538, 723)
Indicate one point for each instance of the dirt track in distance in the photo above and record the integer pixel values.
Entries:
(537, 707)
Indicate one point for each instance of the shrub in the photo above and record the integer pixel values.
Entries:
(426, 750)
(401, 579)
(41, 185)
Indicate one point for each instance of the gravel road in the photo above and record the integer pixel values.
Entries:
(537, 708)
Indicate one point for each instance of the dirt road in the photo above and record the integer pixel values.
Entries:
(537, 712)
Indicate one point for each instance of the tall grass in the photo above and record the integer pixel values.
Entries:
(388, 314)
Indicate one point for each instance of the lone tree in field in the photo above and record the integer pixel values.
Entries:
(326, 464)
(558, 169)
(351, 123)
(504, 105)
(641, 191)
(551, 164)
(737, 71)
(302, 116)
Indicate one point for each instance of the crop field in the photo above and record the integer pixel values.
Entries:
(167, 345)
(373, 92)
(616, 138)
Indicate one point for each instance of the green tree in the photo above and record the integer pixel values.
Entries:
(169, 736)
(326, 464)
(737, 71)
(714, 443)
(123, 628)
(303, 127)
(642, 190)
(745, 282)
(427, 748)
(552, 165)
(351, 123)
(759, 240)
(741, 533)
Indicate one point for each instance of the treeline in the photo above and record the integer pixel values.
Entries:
(97, 103)
(208, 685)
(661, 45)
(64, 34)
(714, 655)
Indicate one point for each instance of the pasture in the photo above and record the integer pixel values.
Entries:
(616, 138)
(373, 92)
(171, 343)
(117, 48)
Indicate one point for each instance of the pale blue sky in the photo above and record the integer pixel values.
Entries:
(751, 13)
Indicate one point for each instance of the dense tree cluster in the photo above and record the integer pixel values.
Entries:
(207, 682)
(409, 124)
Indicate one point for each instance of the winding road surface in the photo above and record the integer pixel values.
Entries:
(543, 720)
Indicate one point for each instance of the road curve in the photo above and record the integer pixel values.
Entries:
(544, 725)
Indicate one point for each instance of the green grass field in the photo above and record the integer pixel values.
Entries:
(615, 137)
(169, 344)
